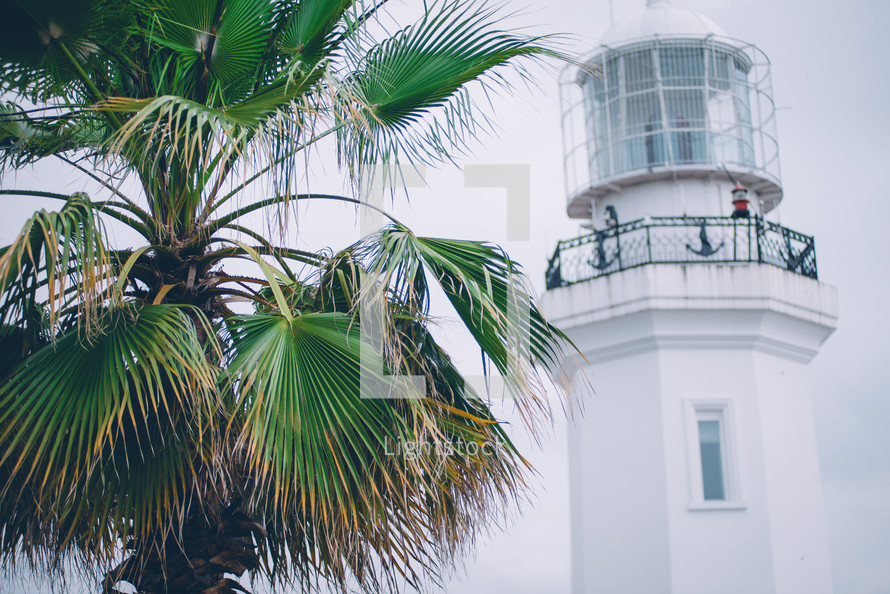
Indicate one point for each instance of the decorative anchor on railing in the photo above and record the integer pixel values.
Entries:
(554, 272)
(706, 248)
(601, 263)
(659, 240)
(792, 261)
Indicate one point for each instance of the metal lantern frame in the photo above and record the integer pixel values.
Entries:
(669, 106)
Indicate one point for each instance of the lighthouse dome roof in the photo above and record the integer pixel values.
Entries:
(661, 18)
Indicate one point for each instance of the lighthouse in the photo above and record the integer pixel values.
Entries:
(693, 466)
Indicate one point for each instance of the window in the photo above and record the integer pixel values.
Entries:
(596, 106)
(713, 469)
(644, 144)
(711, 450)
(639, 73)
(719, 70)
(682, 66)
(743, 109)
(686, 115)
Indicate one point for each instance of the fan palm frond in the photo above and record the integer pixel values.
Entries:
(62, 253)
(99, 432)
(412, 87)
(170, 420)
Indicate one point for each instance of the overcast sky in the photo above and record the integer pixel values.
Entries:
(831, 83)
(830, 63)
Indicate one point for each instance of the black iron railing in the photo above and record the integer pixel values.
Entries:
(680, 240)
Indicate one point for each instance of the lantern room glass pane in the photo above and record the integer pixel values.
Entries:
(685, 108)
(682, 66)
(612, 80)
(644, 143)
(686, 116)
(643, 114)
(639, 71)
(743, 111)
(615, 130)
(720, 75)
(671, 102)
(598, 124)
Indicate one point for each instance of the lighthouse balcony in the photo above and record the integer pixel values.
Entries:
(681, 240)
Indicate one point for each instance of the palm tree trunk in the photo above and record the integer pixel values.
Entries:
(196, 563)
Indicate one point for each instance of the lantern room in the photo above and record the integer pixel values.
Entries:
(668, 96)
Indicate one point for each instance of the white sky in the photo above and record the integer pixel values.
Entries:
(831, 85)
(830, 81)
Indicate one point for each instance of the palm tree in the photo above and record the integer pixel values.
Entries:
(153, 432)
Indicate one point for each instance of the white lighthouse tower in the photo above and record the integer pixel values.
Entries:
(694, 467)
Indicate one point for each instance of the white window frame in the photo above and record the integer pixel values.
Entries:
(721, 411)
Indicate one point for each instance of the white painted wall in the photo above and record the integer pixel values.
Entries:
(801, 555)
(658, 340)
(618, 484)
(687, 196)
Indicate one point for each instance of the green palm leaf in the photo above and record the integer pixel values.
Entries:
(424, 67)
(60, 252)
(172, 127)
(29, 139)
(225, 38)
(44, 42)
(486, 289)
(127, 433)
(107, 431)
(326, 458)
(311, 29)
